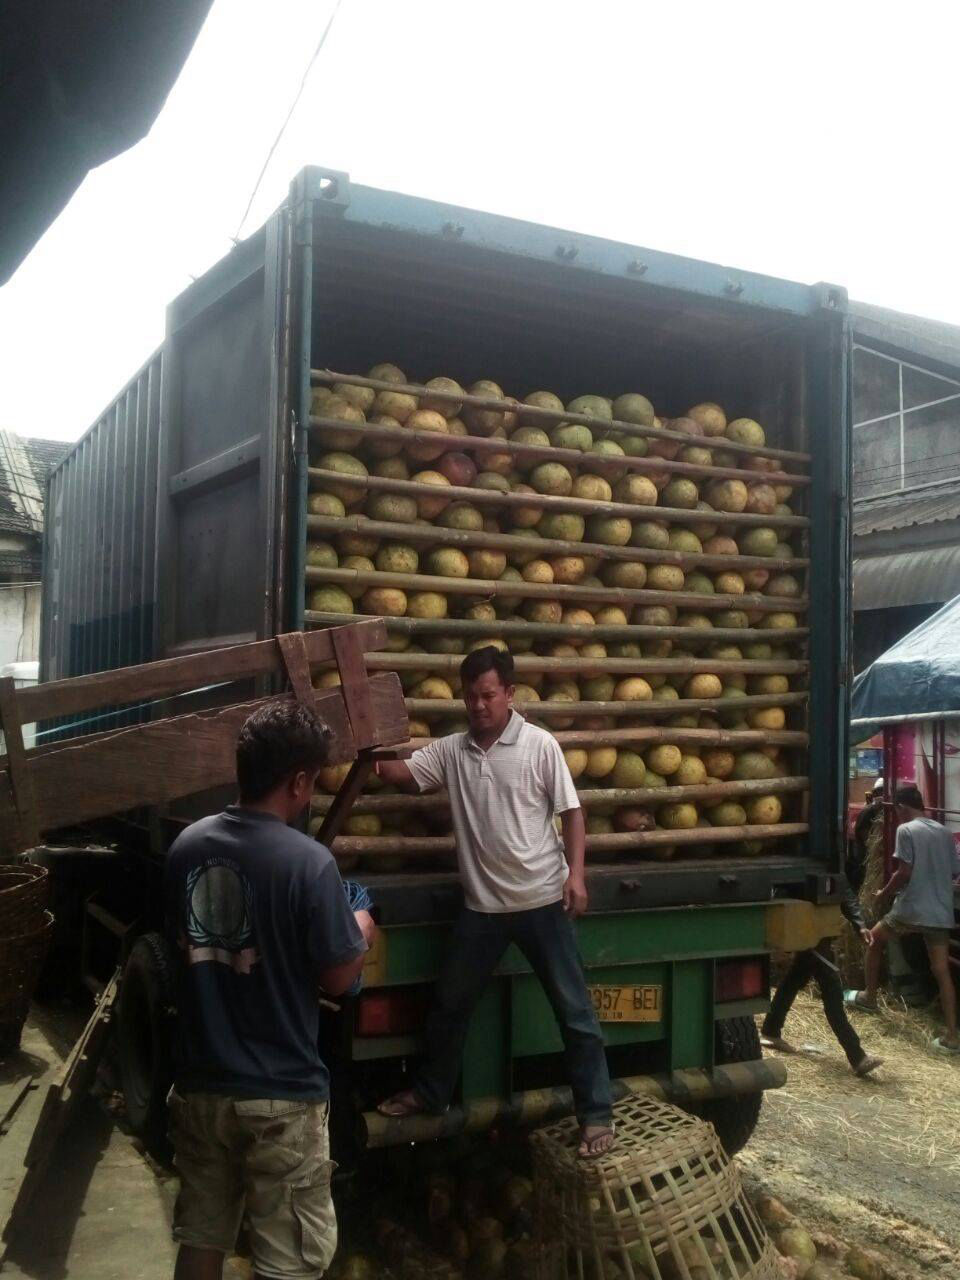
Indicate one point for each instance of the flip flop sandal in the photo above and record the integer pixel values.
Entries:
(405, 1109)
(601, 1133)
(942, 1047)
(852, 999)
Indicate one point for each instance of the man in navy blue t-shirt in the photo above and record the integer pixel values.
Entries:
(260, 922)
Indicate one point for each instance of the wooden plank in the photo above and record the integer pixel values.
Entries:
(158, 761)
(68, 1086)
(293, 650)
(354, 686)
(173, 675)
(342, 802)
(21, 782)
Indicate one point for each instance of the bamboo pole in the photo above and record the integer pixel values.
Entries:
(319, 477)
(408, 846)
(488, 588)
(646, 736)
(590, 798)
(532, 453)
(427, 707)
(545, 547)
(503, 628)
(533, 413)
(439, 663)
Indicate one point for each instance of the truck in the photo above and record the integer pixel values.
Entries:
(182, 521)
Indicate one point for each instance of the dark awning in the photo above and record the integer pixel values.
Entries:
(79, 83)
(926, 575)
(920, 674)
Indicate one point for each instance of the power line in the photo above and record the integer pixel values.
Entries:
(293, 107)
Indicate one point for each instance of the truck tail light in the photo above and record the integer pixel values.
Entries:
(390, 1011)
(744, 979)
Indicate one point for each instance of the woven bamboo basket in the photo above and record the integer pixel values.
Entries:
(21, 958)
(665, 1204)
(24, 895)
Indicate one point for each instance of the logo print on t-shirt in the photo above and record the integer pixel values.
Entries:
(219, 910)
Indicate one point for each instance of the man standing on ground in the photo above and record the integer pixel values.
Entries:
(922, 879)
(506, 780)
(259, 919)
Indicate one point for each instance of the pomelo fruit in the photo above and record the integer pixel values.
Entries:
(550, 611)
(595, 488)
(629, 770)
(685, 540)
(394, 468)
(703, 685)
(525, 693)
(609, 531)
(691, 773)
(427, 604)
(678, 817)
(576, 759)
(732, 619)
(395, 404)
(680, 492)
(597, 824)
(656, 648)
(745, 431)
(633, 818)
(756, 579)
(634, 446)
(434, 687)
(568, 569)
(610, 615)
(664, 759)
(767, 718)
(524, 518)
(486, 562)
(633, 407)
(721, 545)
(449, 408)
(651, 534)
(577, 616)
(780, 622)
(443, 644)
(710, 416)
(566, 526)
(357, 544)
(727, 814)
(598, 689)
(638, 489)
(552, 478)
(665, 577)
(695, 621)
(448, 562)
(484, 422)
(632, 689)
(346, 465)
(606, 451)
(727, 495)
(697, 455)
(699, 584)
(654, 615)
(395, 508)
(430, 508)
(387, 373)
(629, 575)
(751, 765)
(362, 564)
(763, 810)
(461, 515)
(330, 600)
(483, 611)
(492, 481)
(782, 584)
(389, 602)
(571, 435)
(459, 468)
(729, 584)
(542, 400)
(531, 435)
(719, 762)
(592, 407)
(769, 684)
(761, 499)
(703, 528)
(321, 555)
(331, 777)
(325, 504)
(397, 557)
(537, 571)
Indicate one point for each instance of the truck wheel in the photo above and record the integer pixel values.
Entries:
(736, 1040)
(145, 1035)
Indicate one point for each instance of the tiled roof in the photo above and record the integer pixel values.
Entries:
(25, 464)
(901, 510)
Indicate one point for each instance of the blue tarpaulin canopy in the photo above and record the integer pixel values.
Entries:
(918, 676)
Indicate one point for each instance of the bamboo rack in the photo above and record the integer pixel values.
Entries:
(590, 798)
(652, 735)
(504, 628)
(427, 707)
(531, 453)
(545, 547)
(319, 477)
(438, 663)
(406, 846)
(575, 593)
(532, 413)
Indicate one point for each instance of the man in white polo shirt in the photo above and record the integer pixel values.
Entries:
(506, 780)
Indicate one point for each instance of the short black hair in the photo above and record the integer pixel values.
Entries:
(908, 795)
(278, 740)
(489, 658)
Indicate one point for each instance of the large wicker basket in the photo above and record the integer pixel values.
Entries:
(24, 896)
(21, 958)
(665, 1204)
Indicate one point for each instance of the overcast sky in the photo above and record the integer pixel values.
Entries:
(814, 141)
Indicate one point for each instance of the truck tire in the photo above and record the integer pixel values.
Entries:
(145, 1028)
(736, 1040)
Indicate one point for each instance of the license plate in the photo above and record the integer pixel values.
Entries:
(628, 1004)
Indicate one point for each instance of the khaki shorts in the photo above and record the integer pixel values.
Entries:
(902, 927)
(263, 1157)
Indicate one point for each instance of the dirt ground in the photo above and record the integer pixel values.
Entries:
(875, 1162)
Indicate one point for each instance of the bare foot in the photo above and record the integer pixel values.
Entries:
(401, 1105)
(595, 1140)
(778, 1043)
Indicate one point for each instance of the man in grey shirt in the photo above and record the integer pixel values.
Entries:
(925, 864)
(522, 883)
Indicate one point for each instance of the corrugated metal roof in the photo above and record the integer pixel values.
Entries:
(916, 335)
(901, 510)
(929, 575)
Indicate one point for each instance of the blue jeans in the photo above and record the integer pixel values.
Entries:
(546, 938)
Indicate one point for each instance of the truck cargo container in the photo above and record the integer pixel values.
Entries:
(180, 522)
